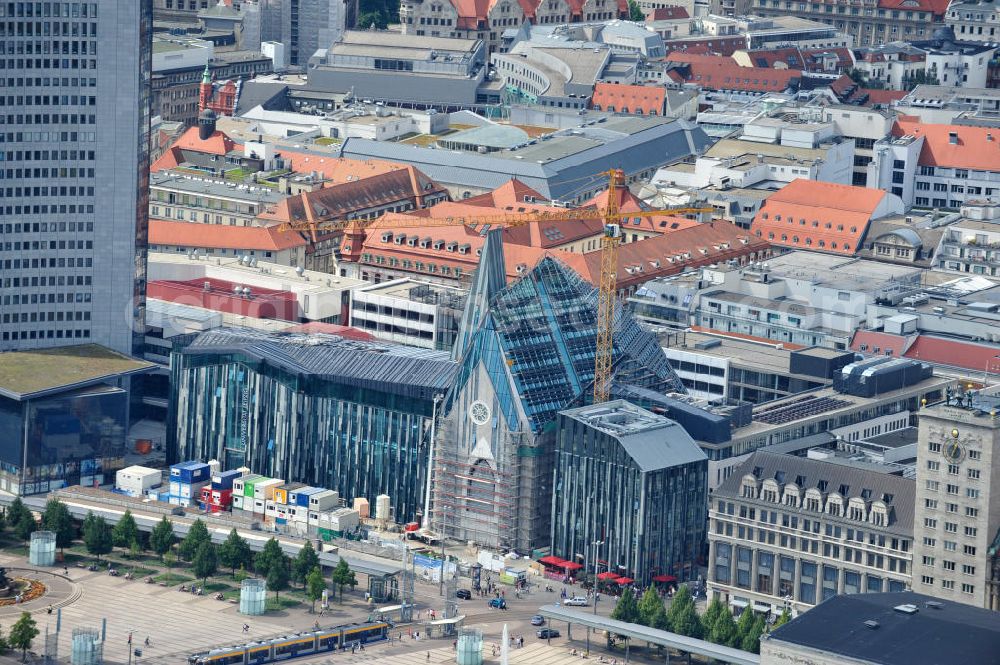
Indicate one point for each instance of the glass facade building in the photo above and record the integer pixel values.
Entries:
(319, 409)
(71, 438)
(630, 493)
(525, 351)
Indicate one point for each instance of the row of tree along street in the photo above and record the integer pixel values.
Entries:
(716, 625)
(204, 558)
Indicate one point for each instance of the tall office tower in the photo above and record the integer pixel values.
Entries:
(957, 513)
(74, 152)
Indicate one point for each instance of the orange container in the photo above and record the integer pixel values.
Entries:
(143, 446)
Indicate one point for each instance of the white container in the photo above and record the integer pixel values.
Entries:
(258, 506)
(313, 518)
(343, 519)
(237, 501)
(327, 500)
(193, 491)
(135, 480)
(175, 488)
(382, 507)
(270, 508)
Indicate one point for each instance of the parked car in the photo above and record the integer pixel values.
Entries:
(576, 601)
(538, 620)
(546, 633)
(463, 594)
(498, 603)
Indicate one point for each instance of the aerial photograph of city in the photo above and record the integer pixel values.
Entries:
(500, 332)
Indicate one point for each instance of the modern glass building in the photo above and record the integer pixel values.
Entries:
(630, 493)
(319, 409)
(64, 416)
(526, 351)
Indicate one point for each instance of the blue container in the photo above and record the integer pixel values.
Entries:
(300, 497)
(190, 472)
(223, 480)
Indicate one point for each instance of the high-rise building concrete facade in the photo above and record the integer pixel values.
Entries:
(74, 147)
(957, 516)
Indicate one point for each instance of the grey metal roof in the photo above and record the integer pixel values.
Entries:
(936, 633)
(651, 440)
(557, 167)
(900, 491)
(639, 633)
(380, 366)
(908, 235)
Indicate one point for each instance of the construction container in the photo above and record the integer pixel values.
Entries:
(298, 513)
(324, 500)
(341, 519)
(283, 494)
(258, 506)
(264, 489)
(42, 551)
(237, 501)
(244, 484)
(300, 497)
(382, 507)
(223, 480)
(135, 480)
(190, 472)
(193, 490)
(361, 505)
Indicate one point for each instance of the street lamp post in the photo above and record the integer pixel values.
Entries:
(596, 544)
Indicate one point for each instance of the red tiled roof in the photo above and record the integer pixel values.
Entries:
(718, 76)
(513, 196)
(927, 348)
(221, 236)
(336, 169)
(843, 85)
(885, 97)
(667, 14)
(974, 147)
(821, 216)
(317, 327)
(471, 12)
(844, 58)
(936, 7)
(721, 45)
(646, 99)
(873, 339)
(216, 144)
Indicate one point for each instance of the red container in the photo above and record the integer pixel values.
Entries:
(410, 527)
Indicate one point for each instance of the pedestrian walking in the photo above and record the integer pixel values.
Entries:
(246, 628)
(428, 656)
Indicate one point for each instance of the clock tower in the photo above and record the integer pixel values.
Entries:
(957, 511)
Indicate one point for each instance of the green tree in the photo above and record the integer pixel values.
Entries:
(240, 574)
(648, 605)
(235, 552)
(682, 614)
(368, 19)
(205, 562)
(15, 510)
(725, 631)
(277, 579)
(783, 618)
(305, 561)
(170, 559)
(315, 584)
(196, 535)
(712, 614)
(22, 633)
(25, 525)
(635, 12)
(57, 519)
(745, 623)
(751, 640)
(126, 532)
(343, 576)
(97, 535)
(161, 539)
(626, 609)
(269, 557)
(134, 550)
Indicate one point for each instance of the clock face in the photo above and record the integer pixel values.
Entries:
(479, 413)
(953, 451)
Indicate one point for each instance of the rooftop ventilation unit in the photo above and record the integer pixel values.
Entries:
(908, 608)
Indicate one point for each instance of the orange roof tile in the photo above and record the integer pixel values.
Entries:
(821, 216)
(884, 97)
(337, 169)
(973, 148)
(719, 75)
(666, 14)
(936, 7)
(646, 99)
(217, 144)
(218, 236)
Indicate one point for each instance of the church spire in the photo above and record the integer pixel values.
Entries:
(205, 90)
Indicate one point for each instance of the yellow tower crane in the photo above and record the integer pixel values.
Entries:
(610, 240)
